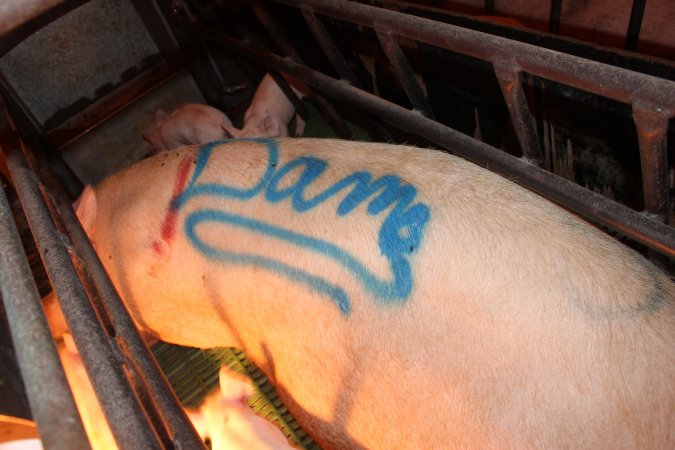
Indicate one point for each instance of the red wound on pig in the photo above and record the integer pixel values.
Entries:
(169, 224)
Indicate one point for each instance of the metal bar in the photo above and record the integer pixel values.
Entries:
(333, 118)
(489, 7)
(635, 23)
(652, 128)
(598, 78)
(300, 109)
(519, 111)
(159, 30)
(330, 49)
(110, 105)
(275, 31)
(651, 233)
(180, 430)
(105, 367)
(52, 408)
(404, 73)
(632, 61)
(554, 17)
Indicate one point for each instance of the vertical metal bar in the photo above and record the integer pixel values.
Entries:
(509, 81)
(404, 73)
(489, 7)
(180, 429)
(275, 31)
(158, 29)
(635, 23)
(652, 128)
(105, 368)
(328, 46)
(554, 17)
(207, 76)
(51, 401)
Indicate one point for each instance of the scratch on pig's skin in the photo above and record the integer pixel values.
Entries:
(168, 229)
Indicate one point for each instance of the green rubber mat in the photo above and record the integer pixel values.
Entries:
(193, 373)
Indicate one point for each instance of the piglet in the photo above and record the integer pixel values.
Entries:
(270, 112)
(190, 123)
(226, 419)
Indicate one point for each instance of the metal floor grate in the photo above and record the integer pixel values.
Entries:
(192, 373)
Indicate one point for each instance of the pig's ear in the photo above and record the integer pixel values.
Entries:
(85, 208)
(272, 127)
(234, 388)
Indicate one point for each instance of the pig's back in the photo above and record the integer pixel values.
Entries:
(505, 322)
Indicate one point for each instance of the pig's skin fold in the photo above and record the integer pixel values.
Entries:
(524, 326)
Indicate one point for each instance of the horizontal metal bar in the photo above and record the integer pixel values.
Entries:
(587, 203)
(105, 368)
(110, 105)
(592, 76)
(646, 64)
(51, 402)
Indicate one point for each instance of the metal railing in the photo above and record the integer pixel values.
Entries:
(652, 100)
(141, 409)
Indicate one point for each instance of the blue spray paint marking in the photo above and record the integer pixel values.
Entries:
(400, 235)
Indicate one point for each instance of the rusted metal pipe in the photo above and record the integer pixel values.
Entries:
(330, 49)
(508, 75)
(554, 16)
(634, 24)
(173, 420)
(598, 78)
(105, 367)
(404, 73)
(652, 128)
(51, 402)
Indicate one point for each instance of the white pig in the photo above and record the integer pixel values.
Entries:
(396, 297)
(225, 418)
(190, 123)
(270, 112)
